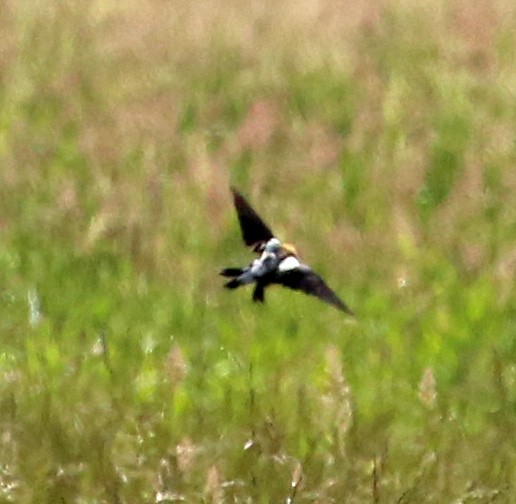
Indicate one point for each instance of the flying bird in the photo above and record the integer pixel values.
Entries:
(278, 263)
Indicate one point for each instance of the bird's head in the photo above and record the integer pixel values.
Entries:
(290, 249)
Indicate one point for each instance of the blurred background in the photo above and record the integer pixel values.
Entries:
(377, 136)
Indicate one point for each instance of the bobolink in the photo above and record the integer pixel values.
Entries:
(278, 263)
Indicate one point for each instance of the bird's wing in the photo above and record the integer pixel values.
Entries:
(254, 230)
(306, 280)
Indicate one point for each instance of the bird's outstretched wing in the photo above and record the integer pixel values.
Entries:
(254, 230)
(306, 280)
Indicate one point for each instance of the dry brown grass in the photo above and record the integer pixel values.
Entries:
(377, 135)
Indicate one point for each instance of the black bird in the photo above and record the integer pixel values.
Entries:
(277, 264)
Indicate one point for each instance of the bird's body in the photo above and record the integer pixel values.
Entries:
(259, 269)
(277, 264)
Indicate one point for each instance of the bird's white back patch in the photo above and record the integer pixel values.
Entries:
(288, 264)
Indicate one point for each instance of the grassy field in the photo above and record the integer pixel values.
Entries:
(377, 136)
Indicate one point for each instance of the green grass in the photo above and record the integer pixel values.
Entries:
(379, 139)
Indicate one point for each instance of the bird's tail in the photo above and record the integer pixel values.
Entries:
(231, 272)
(233, 284)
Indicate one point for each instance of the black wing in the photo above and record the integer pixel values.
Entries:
(254, 230)
(304, 279)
